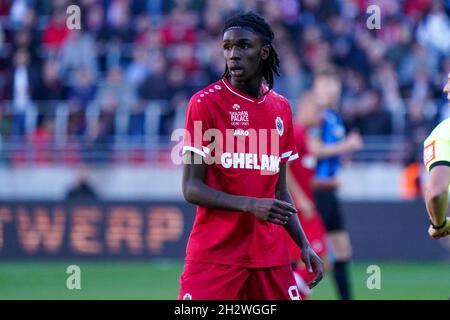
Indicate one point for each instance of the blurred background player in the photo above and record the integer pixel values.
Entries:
(328, 142)
(300, 177)
(436, 156)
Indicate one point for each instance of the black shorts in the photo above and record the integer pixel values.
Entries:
(328, 206)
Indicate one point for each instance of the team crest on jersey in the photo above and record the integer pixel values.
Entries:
(429, 153)
(236, 106)
(279, 125)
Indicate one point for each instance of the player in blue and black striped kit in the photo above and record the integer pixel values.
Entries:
(328, 143)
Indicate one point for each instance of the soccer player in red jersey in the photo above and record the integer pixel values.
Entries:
(237, 142)
(299, 180)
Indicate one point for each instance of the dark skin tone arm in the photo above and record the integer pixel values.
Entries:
(197, 192)
(279, 211)
(293, 227)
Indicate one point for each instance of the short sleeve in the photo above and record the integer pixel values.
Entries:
(289, 151)
(436, 152)
(198, 120)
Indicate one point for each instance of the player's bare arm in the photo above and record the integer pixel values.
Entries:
(436, 193)
(436, 199)
(196, 191)
(352, 142)
(294, 228)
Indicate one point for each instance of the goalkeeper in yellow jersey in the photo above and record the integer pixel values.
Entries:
(436, 155)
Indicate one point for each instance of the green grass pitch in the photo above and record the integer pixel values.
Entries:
(151, 280)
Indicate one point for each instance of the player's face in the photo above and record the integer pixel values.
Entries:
(447, 88)
(243, 52)
(313, 115)
(309, 113)
(327, 90)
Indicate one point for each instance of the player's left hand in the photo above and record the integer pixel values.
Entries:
(440, 233)
(313, 264)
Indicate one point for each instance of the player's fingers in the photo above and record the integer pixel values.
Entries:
(280, 211)
(319, 267)
(307, 262)
(277, 221)
(280, 217)
(286, 206)
(316, 280)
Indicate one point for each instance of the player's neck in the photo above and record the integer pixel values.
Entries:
(251, 88)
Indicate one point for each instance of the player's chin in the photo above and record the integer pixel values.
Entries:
(239, 76)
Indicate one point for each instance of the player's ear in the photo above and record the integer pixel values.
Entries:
(265, 52)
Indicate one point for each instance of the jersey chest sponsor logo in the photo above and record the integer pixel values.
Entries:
(250, 161)
(239, 118)
(429, 153)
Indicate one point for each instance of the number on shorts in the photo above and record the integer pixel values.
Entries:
(293, 293)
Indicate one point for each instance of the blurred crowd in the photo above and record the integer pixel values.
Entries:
(129, 53)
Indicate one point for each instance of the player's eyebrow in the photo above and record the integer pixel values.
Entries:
(237, 40)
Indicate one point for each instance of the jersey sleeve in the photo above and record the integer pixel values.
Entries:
(289, 150)
(198, 120)
(436, 151)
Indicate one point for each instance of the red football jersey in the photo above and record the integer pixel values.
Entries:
(304, 169)
(245, 139)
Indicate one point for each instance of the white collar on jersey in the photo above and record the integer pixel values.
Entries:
(229, 87)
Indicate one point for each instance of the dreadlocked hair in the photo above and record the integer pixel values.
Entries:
(259, 26)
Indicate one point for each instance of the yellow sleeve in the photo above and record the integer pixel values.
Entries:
(436, 153)
(436, 149)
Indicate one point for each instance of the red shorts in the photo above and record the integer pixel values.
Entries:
(316, 235)
(208, 281)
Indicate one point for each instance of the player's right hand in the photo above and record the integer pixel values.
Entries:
(272, 210)
(353, 141)
(440, 233)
